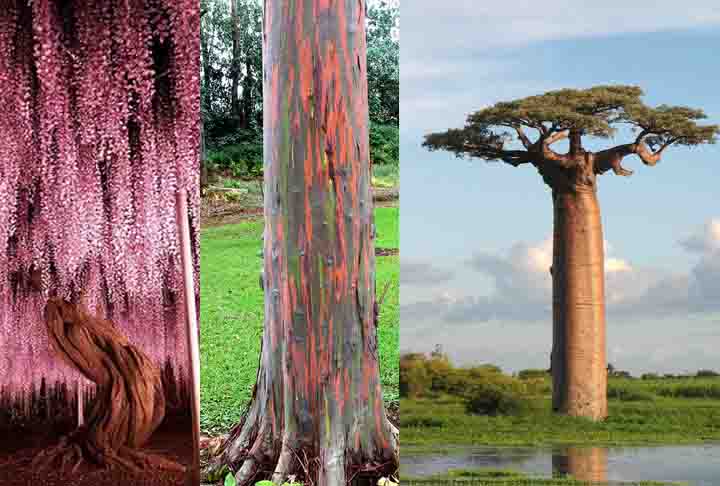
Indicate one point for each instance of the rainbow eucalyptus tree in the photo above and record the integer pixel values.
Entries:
(317, 408)
(578, 355)
(98, 128)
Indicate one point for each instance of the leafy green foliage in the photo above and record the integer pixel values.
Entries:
(530, 374)
(243, 160)
(383, 62)
(710, 389)
(422, 375)
(596, 111)
(384, 144)
(661, 410)
(492, 399)
(386, 175)
(624, 392)
(234, 142)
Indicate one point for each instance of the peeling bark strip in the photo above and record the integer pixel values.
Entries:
(317, 408)
(130, 403)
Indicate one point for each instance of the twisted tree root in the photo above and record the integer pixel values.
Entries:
(130, 403)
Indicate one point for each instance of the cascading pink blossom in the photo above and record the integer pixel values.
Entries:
(99, 126)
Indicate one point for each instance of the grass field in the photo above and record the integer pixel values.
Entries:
(495, 477)
(640, 412)
(232, 316)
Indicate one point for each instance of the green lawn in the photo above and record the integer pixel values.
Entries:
(232, 311)
(430, 424)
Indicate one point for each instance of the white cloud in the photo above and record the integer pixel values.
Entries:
(472, 24)
(522, 285)
(705, 240)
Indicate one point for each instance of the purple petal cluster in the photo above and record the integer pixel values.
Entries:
(99, 127)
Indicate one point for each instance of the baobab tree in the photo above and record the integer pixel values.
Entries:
(317, 408)
(536, 124)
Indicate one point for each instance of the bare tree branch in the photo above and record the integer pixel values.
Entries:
(556, 137)
(523, 138)
(612, 158)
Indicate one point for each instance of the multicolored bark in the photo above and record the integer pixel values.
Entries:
(317, 408)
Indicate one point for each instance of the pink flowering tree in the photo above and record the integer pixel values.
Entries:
(99, 126)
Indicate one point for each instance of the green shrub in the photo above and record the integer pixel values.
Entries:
(386, 175)
(414, 376)
(532, 374)
(484, 473)
(384, 144)
(490, 399)
(650, 376)
(242, 160)
(421, 422)
(694, 390)
(707, 374)
(627, 393)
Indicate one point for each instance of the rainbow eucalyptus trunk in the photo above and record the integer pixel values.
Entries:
(130, 403)
(317, 408)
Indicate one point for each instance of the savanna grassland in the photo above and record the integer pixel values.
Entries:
(493, 477)
(446, 406)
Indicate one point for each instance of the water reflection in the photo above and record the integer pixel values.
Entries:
(696, 465)
(583, 463)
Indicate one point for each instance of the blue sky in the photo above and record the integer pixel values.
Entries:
(474, 235)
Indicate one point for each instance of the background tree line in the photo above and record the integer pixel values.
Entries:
(488, 391)
(232, 92)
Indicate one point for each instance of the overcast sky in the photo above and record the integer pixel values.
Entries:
(475, 236)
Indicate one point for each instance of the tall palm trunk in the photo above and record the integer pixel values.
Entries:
(578, 358)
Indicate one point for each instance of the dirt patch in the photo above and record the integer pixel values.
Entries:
(218, 211)
(387, 251)
(393, 413)
(18, 447)
(231, 215)
(386, 194)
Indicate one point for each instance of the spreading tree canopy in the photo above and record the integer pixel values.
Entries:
(538, 122)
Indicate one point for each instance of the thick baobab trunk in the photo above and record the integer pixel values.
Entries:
(317, 408)
(130, 403)
(578, 357)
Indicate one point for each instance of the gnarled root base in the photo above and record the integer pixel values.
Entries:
(252, 454)
(75, 449)
(130, 403)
